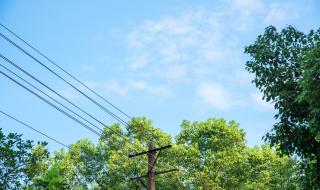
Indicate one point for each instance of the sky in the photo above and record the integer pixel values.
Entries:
(166, 60)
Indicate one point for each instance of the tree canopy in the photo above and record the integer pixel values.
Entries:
(20, 160)
(209, 154)
(286, 66)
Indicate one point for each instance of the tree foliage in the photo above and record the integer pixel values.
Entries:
(209, 154)
(286, 68)
(19, 160)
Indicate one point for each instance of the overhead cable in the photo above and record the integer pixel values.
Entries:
(69, 74)
(60, 77)
(65, 71)
(47, 95)
(51, 104)
(26, 125)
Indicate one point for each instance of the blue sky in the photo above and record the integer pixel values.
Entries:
(167, 60)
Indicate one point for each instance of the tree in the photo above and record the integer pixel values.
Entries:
(310, 84)
(225, 162)
(37, 162)
(14, 154)
(219, 146)
(52, 179)
(210, 154)
(106, 165)
(16, 157)
(286, 69)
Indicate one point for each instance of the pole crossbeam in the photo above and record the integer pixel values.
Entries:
(149, 151)
(152, 159)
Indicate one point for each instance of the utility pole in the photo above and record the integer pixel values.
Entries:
(151, 167)
(152, 160)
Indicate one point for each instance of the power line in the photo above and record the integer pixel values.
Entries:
(70, 75)
(49, 88)
(43, 134)
(65, 71)
(60, 77)
(15, 65)
(52, 105)
(34, 78)
(55, 92)
(120, 135)
(24, 51)
(50, 97)
(88, 97)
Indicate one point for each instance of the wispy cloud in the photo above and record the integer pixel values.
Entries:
(257, 99)
(247, 7)
(216, 96)
(115, 87)
(138, 61)
(173, 72)
(200, 45)
(70, 94)
(140, 85)
(280, 14)
(174, 48)
(88, 68)
(124, 88)
(160, 91)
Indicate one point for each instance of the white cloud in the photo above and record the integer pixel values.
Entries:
(90, 84)
(171, 47)
(137, 84)
(242, 77)
(115, 87)
(280, 14)
(200, 45)
(173, 72)
(144, 87)
(245, 13)
(124, 88)
(89, 68)
(248, 7)
(160, 90)
(138, 61)
(216, 96)
(68, 93)
(257, 99)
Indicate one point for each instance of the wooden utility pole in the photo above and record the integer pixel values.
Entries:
(152, 160)
(151, 167)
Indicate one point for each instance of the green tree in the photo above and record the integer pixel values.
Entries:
(219, 146)
(310, 84)
(210, 154)
(286, 69)
(267, 170)
(38, 161)
(14, 154)
(19, 160)
(225, 162)
(52, 179)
